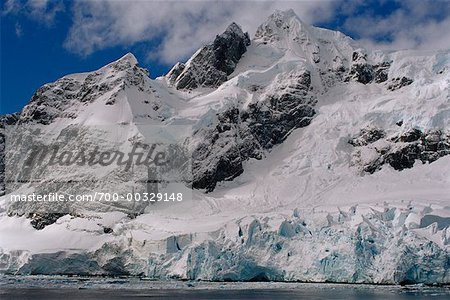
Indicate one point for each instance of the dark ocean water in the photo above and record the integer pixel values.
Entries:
(67, 288)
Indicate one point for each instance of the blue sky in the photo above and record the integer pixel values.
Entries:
(43, 40)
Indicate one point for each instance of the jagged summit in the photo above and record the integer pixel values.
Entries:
(234, 29)
(68, 97)
(211, 65)
(281, 23)
(129, 57)
(317, 47)
(281, 17)
(125, 62)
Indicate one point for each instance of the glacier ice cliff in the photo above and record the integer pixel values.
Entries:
(383, 245)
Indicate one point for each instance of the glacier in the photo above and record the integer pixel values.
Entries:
(294, 145)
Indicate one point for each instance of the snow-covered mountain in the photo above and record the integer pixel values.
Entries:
(309, 158)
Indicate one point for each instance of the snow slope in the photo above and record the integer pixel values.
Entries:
(303, 208)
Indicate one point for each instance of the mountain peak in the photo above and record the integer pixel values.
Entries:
(125, 62)
(129, 57)
(280, 17)
(211, 65)
(281, 23)
(234, 28)
(283, 14)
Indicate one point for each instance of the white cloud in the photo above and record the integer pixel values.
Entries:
(413, 25)
(181, 26)
(42, 11)
(18, 29)
(171, 31)
(11, 6)
(45, 10)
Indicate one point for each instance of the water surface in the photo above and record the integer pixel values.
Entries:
(67, 288)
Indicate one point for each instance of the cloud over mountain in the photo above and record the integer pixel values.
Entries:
(172, 30)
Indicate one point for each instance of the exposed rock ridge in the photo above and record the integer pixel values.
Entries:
(5, 120)
(240, 134)
(60, 99)
(211, 65)
(399, 151)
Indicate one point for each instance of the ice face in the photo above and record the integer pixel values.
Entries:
(356, 244)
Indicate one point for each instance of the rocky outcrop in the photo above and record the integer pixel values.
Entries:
(62, 98)
(363, 72)
(289, 107)
(5, 120)
(223, 150)
(360, 70)
(398, 83)
(242, 134)
(381, 72)
(175, 72)
(39, 221)
(367, 136)
(9, 119)
(51, 100)
(212, 64)
(400, 151)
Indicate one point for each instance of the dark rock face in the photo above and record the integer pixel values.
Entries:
(107, 230)
(61, 98)
(39, 221)
(363, 72)
(381, 72)
(272, 120)
(222, 151)
(211, 66)
(229, 47)
(402, 150)
(50, 101)
(430, 146)
(240, 135)
(9, 119)
(5, 120)
(360, 70)
(409, 136)
(367, 136)
(175, 72)
(398, 83)
(434, 145)
(200, 72)
(403, 157)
